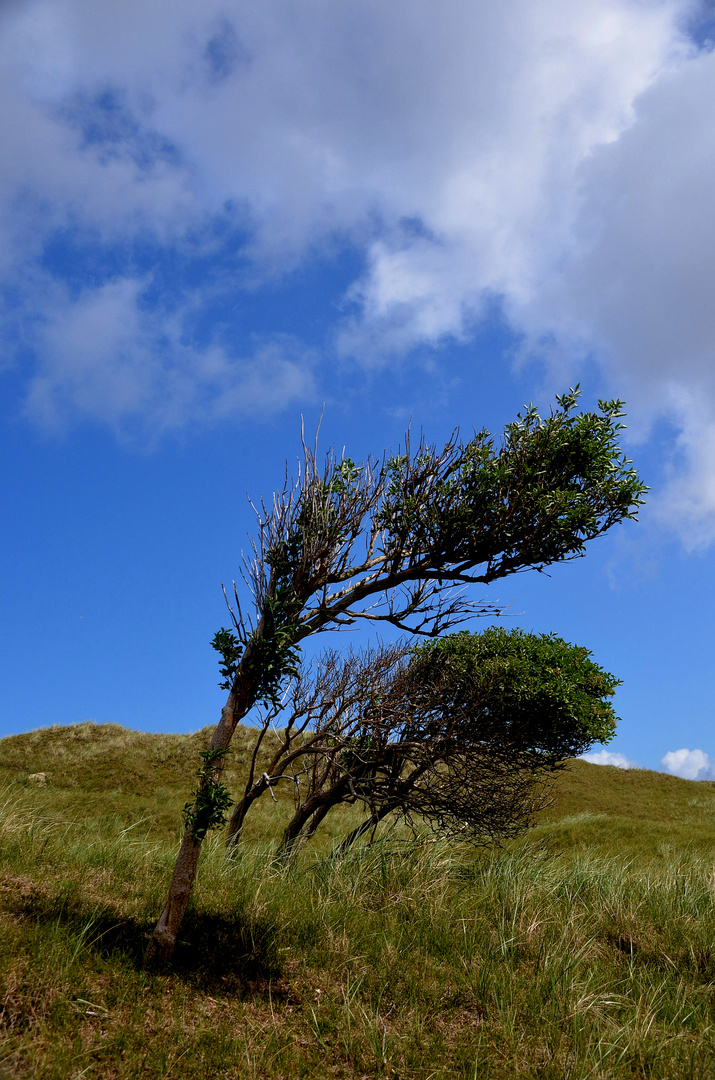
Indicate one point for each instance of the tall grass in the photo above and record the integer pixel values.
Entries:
(403, 960)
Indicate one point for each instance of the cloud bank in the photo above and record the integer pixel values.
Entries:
(105, 354)
(558, 158)
(689, 764)
(609, 757)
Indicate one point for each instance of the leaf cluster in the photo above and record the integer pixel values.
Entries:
(432, 520)
(271, 656)
(536, 499)
(210, 801)
(532, 692)
(227, 644)
(274, 657)
(461, 732)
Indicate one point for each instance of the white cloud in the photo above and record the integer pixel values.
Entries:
(689, 764)
(560, 156)
(637, 288)
(609, 757)
(106, 356)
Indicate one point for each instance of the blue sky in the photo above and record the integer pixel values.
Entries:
(214, 220)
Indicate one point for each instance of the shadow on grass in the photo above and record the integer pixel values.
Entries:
(214, 953)
(230, 954)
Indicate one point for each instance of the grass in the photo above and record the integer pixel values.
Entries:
(585, 951)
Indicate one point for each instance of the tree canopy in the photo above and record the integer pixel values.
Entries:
(532, 692)
(461, 733)
(394, 540)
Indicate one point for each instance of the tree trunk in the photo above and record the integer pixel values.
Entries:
(309, 815)
(372, 822)
(307, 831)
(161, 946)
(240, 812)
(315, 804)
(289, 846)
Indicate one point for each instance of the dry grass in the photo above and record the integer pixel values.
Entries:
(585, 951)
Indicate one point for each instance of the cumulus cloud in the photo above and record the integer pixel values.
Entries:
(107, 355)
(637, 288)
(689, 764)
(557, 156)
(609, 757)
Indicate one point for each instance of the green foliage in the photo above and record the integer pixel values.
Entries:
(553, 484)
(211, 800)
(463, 733)
(227, 644)
(528, 691)
(272, 657)
(344, 477)
(319, 525)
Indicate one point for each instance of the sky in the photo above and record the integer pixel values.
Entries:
(217, 219)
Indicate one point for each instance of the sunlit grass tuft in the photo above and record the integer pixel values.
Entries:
(575, 953)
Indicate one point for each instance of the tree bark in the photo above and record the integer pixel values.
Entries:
(161, 945)
(289, 846)
(371, 823)
(308, 830)
(240, 812)
(313, 805)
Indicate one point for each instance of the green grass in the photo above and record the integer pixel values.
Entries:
(585, 950)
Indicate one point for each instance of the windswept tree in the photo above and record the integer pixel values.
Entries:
(462, 733)
(396, 541)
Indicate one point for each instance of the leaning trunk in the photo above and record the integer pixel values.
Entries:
(293, 840)
(300, 819)
(370, 824)
(161, 946)
(240, 813)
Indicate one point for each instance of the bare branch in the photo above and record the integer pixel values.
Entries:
(403, 531)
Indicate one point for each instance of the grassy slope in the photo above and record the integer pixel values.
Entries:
(647, 813)
(149, 776)
(588, 950)
(108, 772)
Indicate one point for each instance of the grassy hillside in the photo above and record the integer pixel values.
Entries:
(645, 813)
(586, 950)
(147, 776)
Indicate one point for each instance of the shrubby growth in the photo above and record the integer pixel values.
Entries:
(462, 732)
(394, 541)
